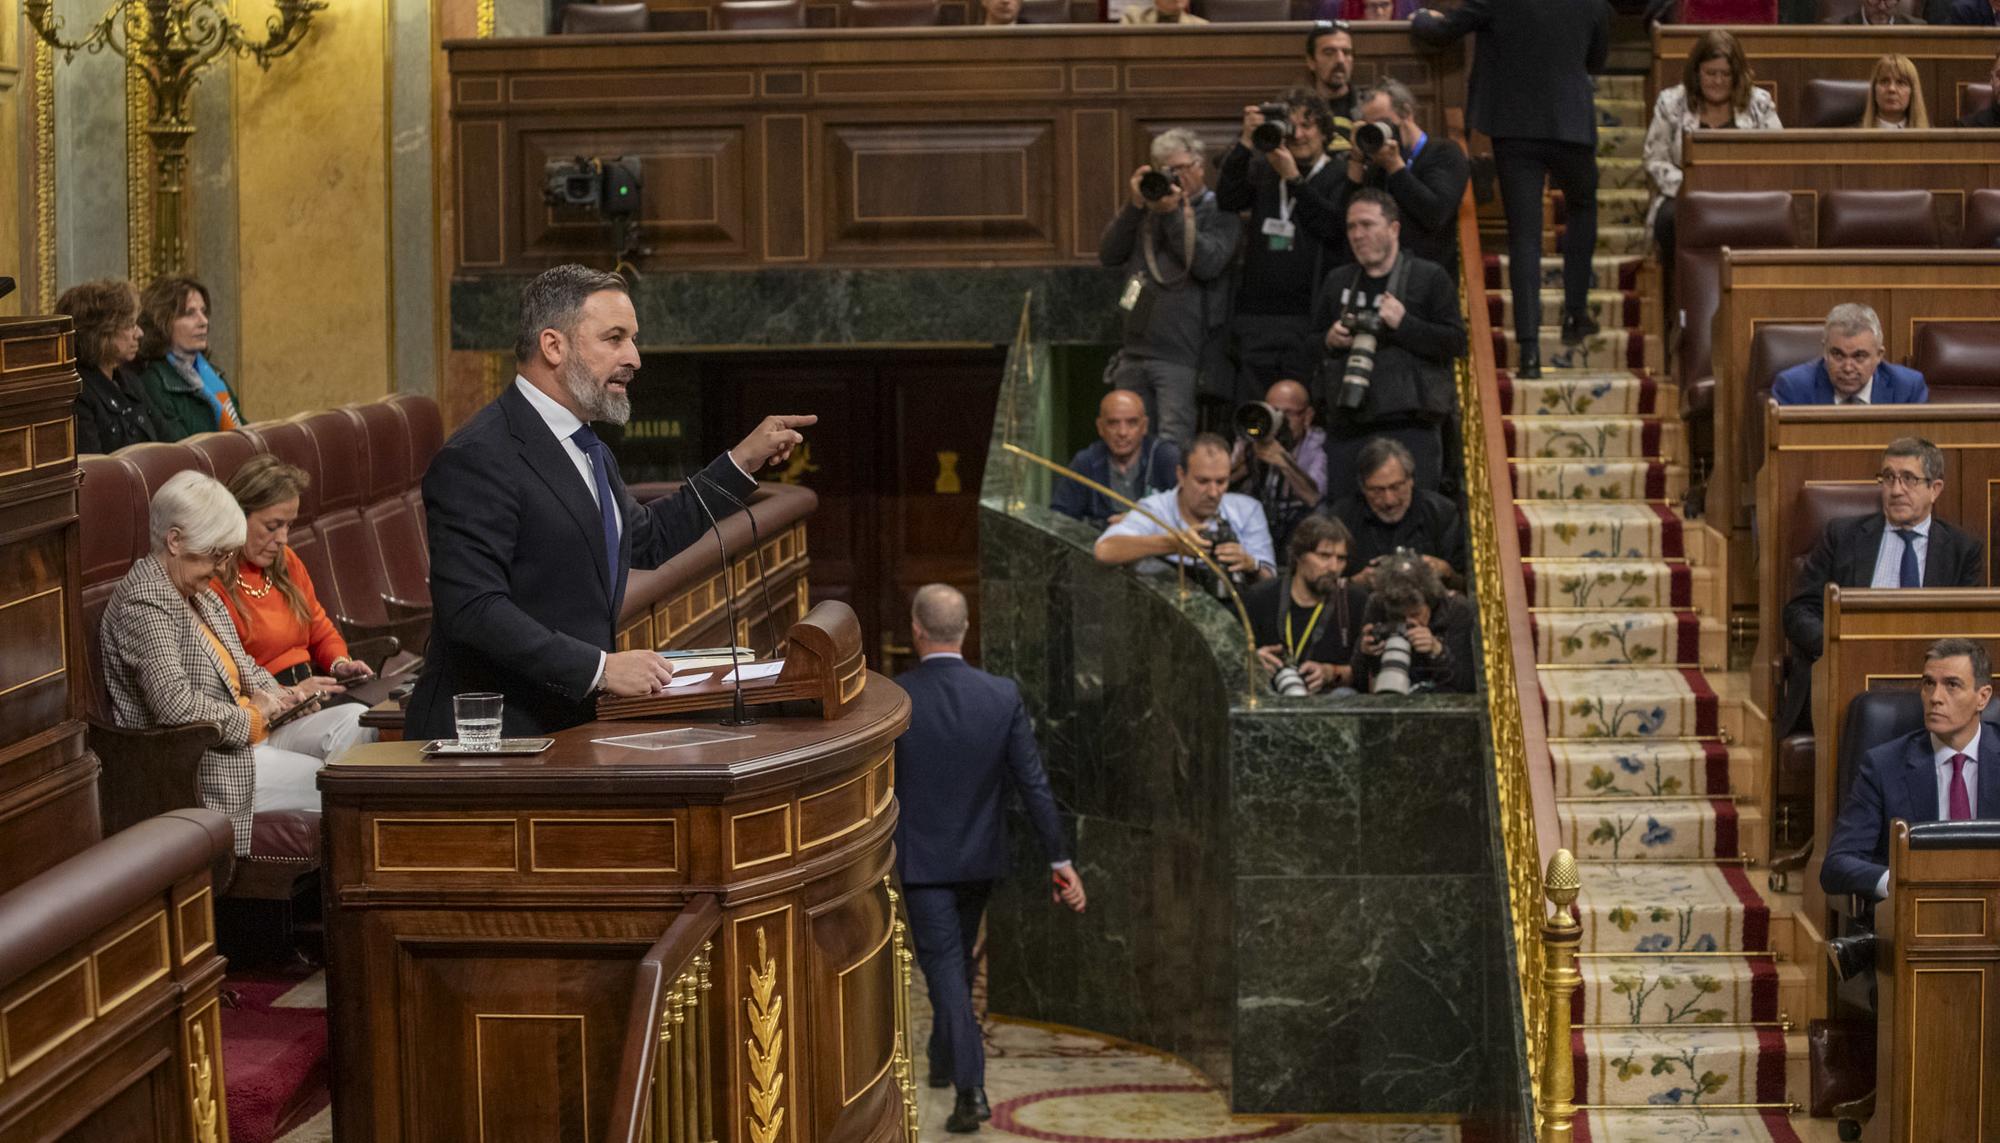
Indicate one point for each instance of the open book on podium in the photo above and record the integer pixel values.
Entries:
(824, 665)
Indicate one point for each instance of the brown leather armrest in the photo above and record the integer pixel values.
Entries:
(374, 650)
(149, 772)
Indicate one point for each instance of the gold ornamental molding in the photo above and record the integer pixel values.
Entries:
(899, 973)
(45, 177)
(765, 1047)
(204, 1087)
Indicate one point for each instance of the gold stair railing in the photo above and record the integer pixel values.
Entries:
(1522, 774)
(665, 1092)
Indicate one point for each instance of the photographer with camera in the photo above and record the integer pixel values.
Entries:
(1280, 172)
(1425, 174)
(1392, 332)
(1414, 634)
(1199, 511)
(1173, 246)
(1391, 514)
(1307, 623)
(1280, 457)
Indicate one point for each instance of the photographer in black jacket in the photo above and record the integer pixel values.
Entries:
(1426, 174)
(1411, 603)
(1279, 171)
(1392, 330)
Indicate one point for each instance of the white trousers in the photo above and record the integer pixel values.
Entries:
(288, 762)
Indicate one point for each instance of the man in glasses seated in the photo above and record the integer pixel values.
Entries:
(1902, 545)
(1850, 370)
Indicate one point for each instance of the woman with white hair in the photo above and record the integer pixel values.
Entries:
(171, 656)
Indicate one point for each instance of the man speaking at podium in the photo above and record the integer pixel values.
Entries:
(531, 528)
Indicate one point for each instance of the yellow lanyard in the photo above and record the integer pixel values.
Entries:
(1305, 640)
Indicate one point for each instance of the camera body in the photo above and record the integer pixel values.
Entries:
(1373, 135)
(608, 187)
(1276, 128)
(1224, 533)
(1359, 372)
(1393, 676)
(1156, 184)
(1288, 682)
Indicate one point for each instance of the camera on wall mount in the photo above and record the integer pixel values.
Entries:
(608, 187)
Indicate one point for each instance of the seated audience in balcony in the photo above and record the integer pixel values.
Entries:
(1198, 511)
(1409, 600)
(1948, 771)
(1126, 458)
(1405, 389)
(278, 617)
(1895, 96)
(1000, 13)
(1285, 471)
(1901, 545)
(1296, 236)
(1851, 370)
(171, 657)
(1389, 513)
(1878, 14)
(1987, 117)
(1976, 13)
(1426, 174)
(1330, 64)
(188, 394)
(1716, 93)
(1310, 620)
(111, 411)
(1174, 254)
(1159, 12)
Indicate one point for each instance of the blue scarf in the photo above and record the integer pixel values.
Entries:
(226, 415)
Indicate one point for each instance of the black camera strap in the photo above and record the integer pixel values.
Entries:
(1152, 257)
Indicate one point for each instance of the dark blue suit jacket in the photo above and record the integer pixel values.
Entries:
(1078, 502)
(1808, 384)
(1972, 13)
(1898, 779)
(969, 738)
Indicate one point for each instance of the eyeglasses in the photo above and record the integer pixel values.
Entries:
(1183, 168)
(1886, 478)
(1385, 489)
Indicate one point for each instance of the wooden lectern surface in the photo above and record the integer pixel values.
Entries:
(485, 916)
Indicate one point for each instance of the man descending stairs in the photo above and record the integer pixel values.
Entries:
(1681, 1030)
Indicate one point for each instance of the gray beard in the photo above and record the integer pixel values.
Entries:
(594, 397)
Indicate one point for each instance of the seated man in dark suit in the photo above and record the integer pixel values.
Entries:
(969, 739)
(1976, 13)
(1878, 14)
(1948, 771)
(1903, 545)
(1126, 458)
(1988, 116)
(1851, 370)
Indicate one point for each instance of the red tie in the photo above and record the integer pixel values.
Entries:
(1961, 801)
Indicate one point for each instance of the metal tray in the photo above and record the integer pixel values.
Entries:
(449, 748)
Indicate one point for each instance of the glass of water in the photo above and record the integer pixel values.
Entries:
(477, 716)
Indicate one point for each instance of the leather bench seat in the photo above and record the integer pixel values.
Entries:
(1960, 360)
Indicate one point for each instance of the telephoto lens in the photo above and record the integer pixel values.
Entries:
(1155, 185)
(1271, 134)
(1360, 368)
(1289, 682)
(1371, 137)
(1256, 420)
(1393, 676)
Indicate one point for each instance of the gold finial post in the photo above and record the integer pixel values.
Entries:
(1560, 936)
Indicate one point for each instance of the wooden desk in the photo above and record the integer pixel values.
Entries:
(1949, 163)
(1785, 56)
(485, 918)
(865, 147)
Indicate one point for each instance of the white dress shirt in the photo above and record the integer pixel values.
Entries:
(1864, 396)
(563, 423)
(1941, 758)
(1889, 556)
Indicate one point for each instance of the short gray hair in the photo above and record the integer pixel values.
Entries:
(1176, 139)
(1850, 318)
(199, 507)
(1380, 451)
(940, 612)
(1401, 99)
(554, 300)
(1920, 450)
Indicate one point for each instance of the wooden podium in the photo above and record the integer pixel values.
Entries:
(488, 920)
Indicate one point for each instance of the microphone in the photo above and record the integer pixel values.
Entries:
(756, 552)
(737, 716)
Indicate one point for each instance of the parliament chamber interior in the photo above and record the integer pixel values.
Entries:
(1316, 570)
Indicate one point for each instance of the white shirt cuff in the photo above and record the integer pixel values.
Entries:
(599, 676)
(1882, 887)
(738, 467)
(1062, 865)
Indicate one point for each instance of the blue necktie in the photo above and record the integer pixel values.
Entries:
(607, 508)
(1911, 575)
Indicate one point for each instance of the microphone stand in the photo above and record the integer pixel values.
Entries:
(757, 552)
(737, 715)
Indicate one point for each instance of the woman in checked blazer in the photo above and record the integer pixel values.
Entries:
(171, 656)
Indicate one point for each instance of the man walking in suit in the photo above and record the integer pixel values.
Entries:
(1531, 93)
(1948, 771)
(531, 528)
(1903, 545)
(969, 738)
(1850, 370)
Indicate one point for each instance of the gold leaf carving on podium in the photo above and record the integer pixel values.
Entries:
(766, 1046)
(201, 1085)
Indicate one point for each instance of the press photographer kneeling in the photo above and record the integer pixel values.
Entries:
(1415, 635)
(1307, 623)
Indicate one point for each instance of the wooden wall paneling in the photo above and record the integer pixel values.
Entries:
(974, 185)
(1784, 57)
(787, 188)
(1097, 186)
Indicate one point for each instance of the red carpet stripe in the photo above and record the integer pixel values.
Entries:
(1763, 989)
(1726, 844)
(1780, 1126)
(1656, 481)
(1756, 914)
(1707, 708)
(1687, 637)
(1671, 543)
(1770, 1065)
(1649, 438)
(1717, 756)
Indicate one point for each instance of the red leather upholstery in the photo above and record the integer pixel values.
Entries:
(1704, 222)
(1773, 348)
(1834, 103)
(1245, 11)
(739, 15)
(1974, 97)
(221, 454)
(1982, 219)
(891, 13)
(1900, 219)
(1817, 506)
(601, 19)
(426, 428)
(289, 442)
(113, 534)
(1960, 361)
(397, 537)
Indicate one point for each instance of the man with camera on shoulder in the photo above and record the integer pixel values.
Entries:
(1307, 623)
(1279, 457)
(1392, 330)
(1280, 172)
(1174, 247)
(1199, 512)
(1425, 174)
(1414, 634)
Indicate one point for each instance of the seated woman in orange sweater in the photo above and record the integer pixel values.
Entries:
(279, 620)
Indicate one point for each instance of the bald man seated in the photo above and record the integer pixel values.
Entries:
(1126, 457)
(1284, 471)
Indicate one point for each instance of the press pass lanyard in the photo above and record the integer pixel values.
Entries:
(1305, 640)
(1285, 196)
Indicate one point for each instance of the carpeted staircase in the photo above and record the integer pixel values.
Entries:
(1680, 1021)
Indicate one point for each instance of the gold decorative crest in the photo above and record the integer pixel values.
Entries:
(766, 1046)
(201, 1086)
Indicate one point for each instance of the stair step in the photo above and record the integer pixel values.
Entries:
(1635, 702)
(1622, 174)
(1608, 272)
(1680, 1067)
(1609, 583)
(1639, 829)
(1648, 769)
(1611, 349)
(1621, 142)
(1624, 88)
(1576, 393)
(1628, 637)
(1637, 907)
(1591, 438)
(1616, 206)
(1684, 1126)
(1613, 309)
(1653, 991)
(1630, 239)
(1623, 113)
(1598, 480)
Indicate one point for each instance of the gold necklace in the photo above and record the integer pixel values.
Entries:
(252, 592)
